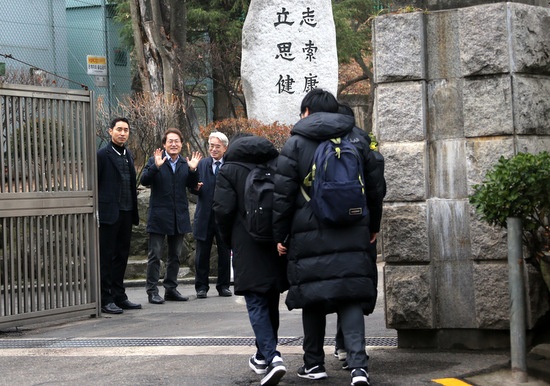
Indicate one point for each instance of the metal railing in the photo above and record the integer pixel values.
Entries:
(48, 232)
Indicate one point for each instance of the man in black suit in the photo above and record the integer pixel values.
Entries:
(205, 229)
(117, 197)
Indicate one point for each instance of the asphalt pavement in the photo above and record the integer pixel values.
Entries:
(208, 342)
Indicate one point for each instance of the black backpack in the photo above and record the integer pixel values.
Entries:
(337, 191)
(258, 200)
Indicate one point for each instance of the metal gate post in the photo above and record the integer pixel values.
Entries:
(517, 300)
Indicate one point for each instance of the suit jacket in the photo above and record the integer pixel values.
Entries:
(109, 185)
(168, 204)
(203, 213)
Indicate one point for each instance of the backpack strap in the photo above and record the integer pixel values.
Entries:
(306, 196)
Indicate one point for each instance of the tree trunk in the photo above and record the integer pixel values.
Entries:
(160, 30)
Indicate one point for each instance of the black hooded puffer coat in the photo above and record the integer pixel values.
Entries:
(257, 266)
(326, 264)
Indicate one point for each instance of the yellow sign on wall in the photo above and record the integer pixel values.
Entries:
(97, 65)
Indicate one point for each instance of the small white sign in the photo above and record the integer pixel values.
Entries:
(100, 81)
(97, 65)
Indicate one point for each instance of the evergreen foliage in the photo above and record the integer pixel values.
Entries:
(518, 187)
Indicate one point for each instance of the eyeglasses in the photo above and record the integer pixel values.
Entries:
(212, 146)
(173, 141)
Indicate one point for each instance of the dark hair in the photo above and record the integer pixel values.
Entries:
(118, 119)
(319, 100)
(170, 131)
(345, 109)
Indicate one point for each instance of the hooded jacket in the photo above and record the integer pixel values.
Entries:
(257, 266)
(325, 264)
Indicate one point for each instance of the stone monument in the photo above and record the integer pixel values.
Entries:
(289, 48)
(455, 90)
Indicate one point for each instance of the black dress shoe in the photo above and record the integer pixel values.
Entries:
(201, 294)
(225, 292)
(155, 299)
(111, 308)
(128, 305)
(174, 295)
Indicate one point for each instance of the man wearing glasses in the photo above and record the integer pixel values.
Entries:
(205, 228)
(168, 174)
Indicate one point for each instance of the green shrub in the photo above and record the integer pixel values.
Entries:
(518, 187)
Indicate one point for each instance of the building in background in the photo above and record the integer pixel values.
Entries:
(74, 39)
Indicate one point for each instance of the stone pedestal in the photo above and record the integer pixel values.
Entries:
(455, 90)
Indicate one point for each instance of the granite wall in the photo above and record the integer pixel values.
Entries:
(455, 90)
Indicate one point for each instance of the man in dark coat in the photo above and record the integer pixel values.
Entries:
(117, 198)
(330, 268)
(259, 271)
(169, 175)
(205, 229)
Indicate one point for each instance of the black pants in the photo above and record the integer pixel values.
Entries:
(202, 262)
(114, 248)
(350, 317)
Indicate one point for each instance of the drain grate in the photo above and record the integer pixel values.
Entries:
(150, 342)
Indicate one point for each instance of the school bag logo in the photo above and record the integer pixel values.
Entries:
(337, 189)
(258, 200)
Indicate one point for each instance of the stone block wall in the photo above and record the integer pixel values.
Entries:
(455, 90)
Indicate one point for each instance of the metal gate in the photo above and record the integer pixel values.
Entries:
(48, 231)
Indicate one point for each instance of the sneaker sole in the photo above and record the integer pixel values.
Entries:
(360, 382)
(274, 376)
(313, 376)
(257, 370)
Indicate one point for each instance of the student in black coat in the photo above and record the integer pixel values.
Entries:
(117, 198)
(259, 271)
(330, 269)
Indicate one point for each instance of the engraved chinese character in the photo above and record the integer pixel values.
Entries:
(310, 49)
(308, 17)
(284, 51)
(282, 18)
(285, 84)
(310, 82)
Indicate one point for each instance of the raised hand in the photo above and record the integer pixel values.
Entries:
(194, 161)
(159, 160)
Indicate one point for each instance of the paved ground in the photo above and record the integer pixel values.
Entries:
(208, 342)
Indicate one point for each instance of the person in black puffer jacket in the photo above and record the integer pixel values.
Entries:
(330, 268)
(259, 272)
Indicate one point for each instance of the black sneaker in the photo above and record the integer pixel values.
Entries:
(259, 366)
(274, 372)
(359, 377)
(345, 365)
(316, 372)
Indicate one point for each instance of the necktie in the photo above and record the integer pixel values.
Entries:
(217, 168)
